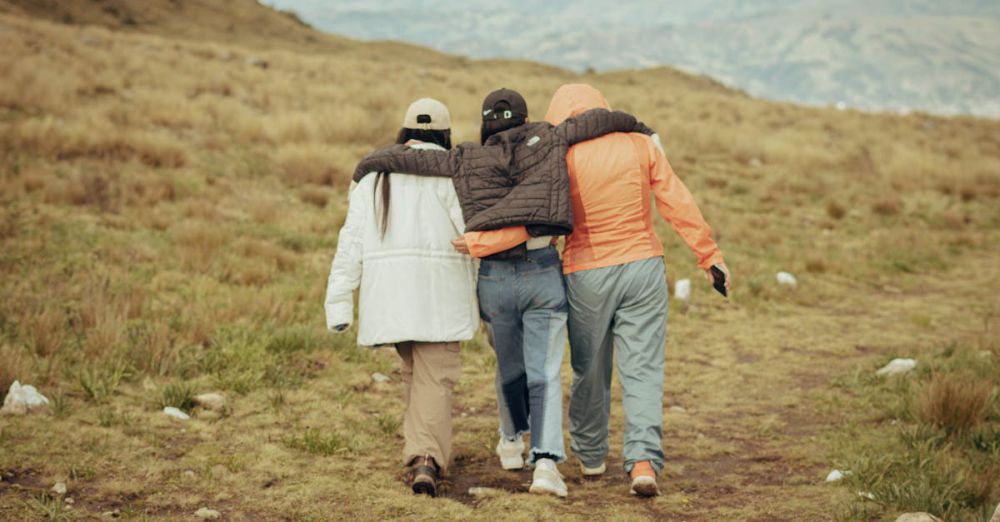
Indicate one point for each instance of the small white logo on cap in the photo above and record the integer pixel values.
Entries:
(533, 140)
(487, 112)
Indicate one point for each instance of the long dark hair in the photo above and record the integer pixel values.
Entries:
(440, 137)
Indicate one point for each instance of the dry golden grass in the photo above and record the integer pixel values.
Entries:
(954, 403)
(170, 206)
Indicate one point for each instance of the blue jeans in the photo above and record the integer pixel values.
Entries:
(523, 304)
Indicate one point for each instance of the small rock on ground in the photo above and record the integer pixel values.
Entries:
(917, 517)
(897, 366)
(207, 514)
(479, 492)
(211, 401)
(175, 413)
(23, 399)
(59, 488)
(677, 409)
(380, 377)
(835, 475)
(784, 278)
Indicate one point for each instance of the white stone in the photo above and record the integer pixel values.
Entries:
(69, 500)
(483, 492)
(175, 413)
(917, 517)
(380, 377)
(897, 366)
(23, 399)
(677, 409)
(835, 475)
(865, 494)
(207, 514)
(682, 289)
(211, 401)
(784, 278)
(59, 488)
(754, 162)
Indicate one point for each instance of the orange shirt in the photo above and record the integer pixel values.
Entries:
(614, 180)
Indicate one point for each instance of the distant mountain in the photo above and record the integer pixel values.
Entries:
(941, 57)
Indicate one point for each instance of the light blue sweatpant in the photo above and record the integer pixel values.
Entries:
(620, 310)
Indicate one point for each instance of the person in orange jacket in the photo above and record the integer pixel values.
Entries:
(615, 284)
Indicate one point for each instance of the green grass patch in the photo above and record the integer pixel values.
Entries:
(925, 441)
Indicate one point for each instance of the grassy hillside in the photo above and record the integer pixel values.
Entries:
(169, 207)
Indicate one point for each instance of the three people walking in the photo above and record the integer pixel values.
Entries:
(613, 296)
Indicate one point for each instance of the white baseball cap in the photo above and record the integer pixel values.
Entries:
(427, 113)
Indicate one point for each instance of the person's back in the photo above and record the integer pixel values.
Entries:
(612, 179)
(414, 258)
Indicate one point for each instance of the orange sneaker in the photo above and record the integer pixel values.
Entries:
(643, 479)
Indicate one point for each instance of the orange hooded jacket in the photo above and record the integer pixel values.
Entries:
(611, 180)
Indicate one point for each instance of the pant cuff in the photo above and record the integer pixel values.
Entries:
(519, 435)
(657, 465)
(560, 455)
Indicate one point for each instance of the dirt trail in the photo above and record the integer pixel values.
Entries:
(745, 411)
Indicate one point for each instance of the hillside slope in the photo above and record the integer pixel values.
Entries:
(886, 55)
(169, 208)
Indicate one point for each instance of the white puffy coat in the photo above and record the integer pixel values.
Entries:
(414, 285)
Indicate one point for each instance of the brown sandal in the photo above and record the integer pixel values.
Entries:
(425, 475)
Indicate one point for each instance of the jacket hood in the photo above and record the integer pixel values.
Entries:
(573, 99)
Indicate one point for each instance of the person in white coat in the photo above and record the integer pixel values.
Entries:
(417, 292)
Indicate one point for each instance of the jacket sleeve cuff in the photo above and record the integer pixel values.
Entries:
(714, 259)
(338, 314)
(483, 244)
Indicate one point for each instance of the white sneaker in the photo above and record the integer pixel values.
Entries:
(511, 453)
(547, 480)
(593, 472)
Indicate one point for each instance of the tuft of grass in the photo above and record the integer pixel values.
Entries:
(954, 403)
(313, 195)
(291, 339)
(316, 442)
(388, 425)
(15, 367)
(100, 381)
(887, 207)
(836, 210)
(47, 506)
(179, 395)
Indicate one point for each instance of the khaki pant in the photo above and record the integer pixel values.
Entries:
(430, 371)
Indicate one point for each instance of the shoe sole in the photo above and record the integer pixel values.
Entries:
(541, 489)
(424, 488)
(593, 472)
(645, 489)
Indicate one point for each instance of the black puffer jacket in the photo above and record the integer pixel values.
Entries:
(518, 177)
